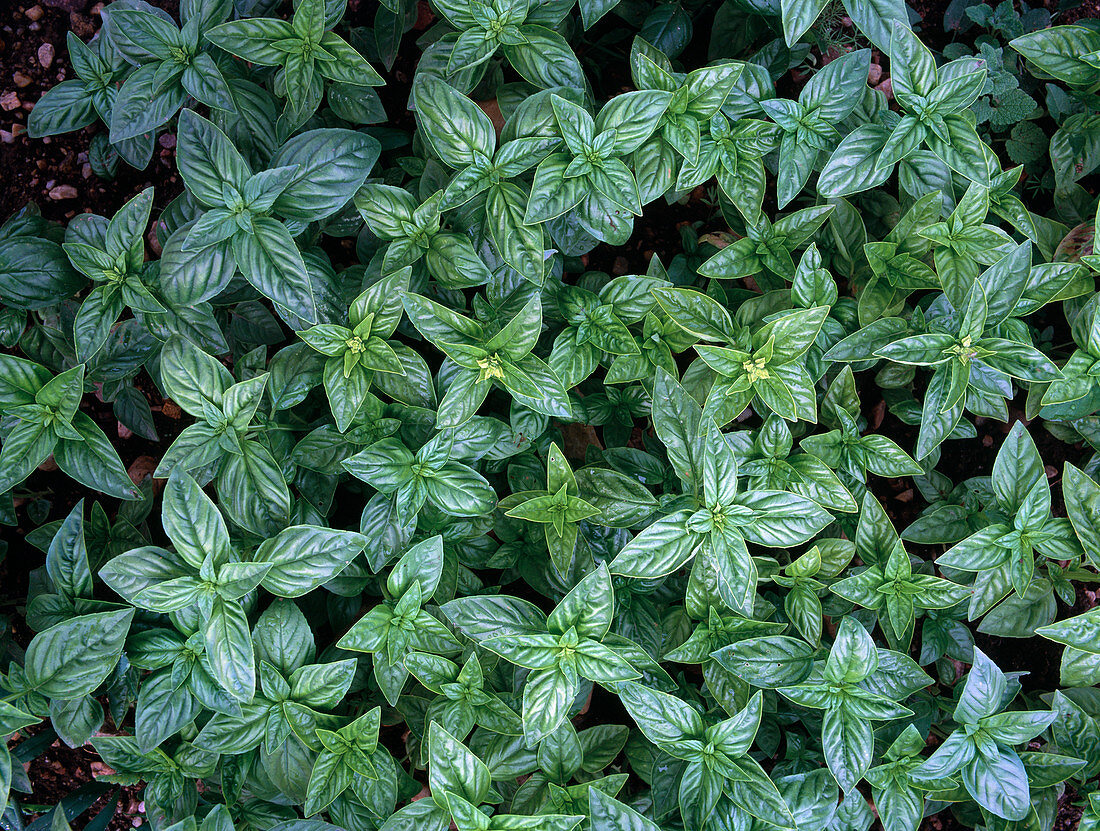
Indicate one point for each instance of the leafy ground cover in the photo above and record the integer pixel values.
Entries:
(550, 415)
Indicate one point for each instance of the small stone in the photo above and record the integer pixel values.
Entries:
(886, 88)
(874, 74)
(86, 171)
(167, 141)
(17, 130)
(21, 80)
(45, 55)
(60, 192)
(124, 432)
(34, 13)
(141, 469)
(171, 409)
(6, 137)
(9, 101)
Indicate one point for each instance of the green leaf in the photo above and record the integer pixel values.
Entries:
(589, 607)
(876, 19)
(331, 165)
(192, 522)
(207, 159)
(67, 557)
(608, 814)
(229, 650)
(71, 659)
(93, 461)
(457, 129)
(798, 17)
(305, 556)
(771, 661)
(664, 719)
(1017, 469)
(61, 109)
(270, 260)
(660, 549)
(1058, 52)
(452, 768)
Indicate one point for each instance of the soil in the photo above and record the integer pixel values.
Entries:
(54, 172)
(1087, 9)
(59, 772)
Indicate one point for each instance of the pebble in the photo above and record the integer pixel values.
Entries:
(167, 141)
(6, 137)
(21, 80)
(45, 55)
(9, 101)
(34, 13)
(59, 192)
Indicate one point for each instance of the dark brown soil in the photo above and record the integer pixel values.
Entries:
(1087, 9)
(69, 774)
(54, 171)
